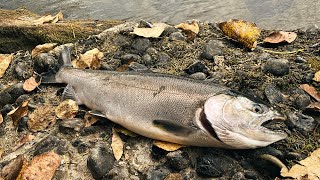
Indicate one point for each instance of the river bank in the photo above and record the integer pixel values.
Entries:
(272, 73)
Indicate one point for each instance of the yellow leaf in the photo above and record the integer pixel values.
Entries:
(245, 32)
(281, 36)
(5, 60)
(90, 59)
(317, 76)
(49, 19)
(30, 84)
(167, 145)
(41, 118)
(117, 145)
(125, 131)
(19, 112)
(154, 32)
(67, 109)
(308, 168)
(42, 48)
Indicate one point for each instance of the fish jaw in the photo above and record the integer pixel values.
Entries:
(237, 125)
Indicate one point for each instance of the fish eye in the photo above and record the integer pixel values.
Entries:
(257, 109)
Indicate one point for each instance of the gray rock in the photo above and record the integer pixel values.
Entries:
(125, 59)
(264, 56)
(10, 94)
(299, 59)
(22, 124)
(198, 75)
(197, 67)
(163, 57)
(302, 122)
(21, 70)
(22, 98)
(212, 48)
(278, 67)
(158, 174)
(83, 147)
(178, 160)
(177, 36)
(146, 59)
(71, 126)
(100, 161)
(2, 86)
(44, 63)
(216, 165)
(239, 176)
(137, 67)
(51, 143)
(152, 51)
(140, 45)
(300, 99)
(273, 94)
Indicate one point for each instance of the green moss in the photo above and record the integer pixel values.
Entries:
(314, 62)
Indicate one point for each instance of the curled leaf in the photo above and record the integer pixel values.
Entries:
(311, 91)
(49, 19)
(281, 36)
(41, 118)
(19, 112)
(117, 145)
(317, 76)
(167, 145)
(154, 32)
(5, 60)
(90, 59)
(42, 48)
(42, 166)
(67, 109)
(245, 32)
(30, 84)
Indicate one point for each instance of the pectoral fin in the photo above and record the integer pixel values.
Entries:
(69, 93)
(171, 127)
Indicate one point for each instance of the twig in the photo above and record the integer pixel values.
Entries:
(279, 52)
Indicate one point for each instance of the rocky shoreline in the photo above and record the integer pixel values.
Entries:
(272, 73)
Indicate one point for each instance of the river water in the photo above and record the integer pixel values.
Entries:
(269, 14)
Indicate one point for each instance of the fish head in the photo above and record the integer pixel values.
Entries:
(238, 120)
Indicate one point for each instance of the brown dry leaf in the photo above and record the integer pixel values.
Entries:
(174, 176)
(191, 30)
(19, 112)
(41, 118)
(281, 36)
(42, 167)
(67, 109)
(5, 60)
(168, 146)
(125, 131)
(317, 76)
(26, 138)
(31, 84)
(12, 169)
(311, 91)
(308, 168)
(245, 32)
(90, 59)
(1, 118)
(117, 145)
(154, 32)
(49, 19)
(42, 48)
(315, 106)
(90, 119)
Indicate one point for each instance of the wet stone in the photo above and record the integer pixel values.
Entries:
(20, 70)
(212, 48)
(163, 57)
(300, 99)
(22, 98)
(125, 59)
(10, 94)
(140, 45)
(198, 75)
(178, 160)
(197, 67)
(22, 124)
(159, 174)
(71, 126)
(273, 94)
(300, 59)
(177, 36)
(278, 67)
(137, 67)
(44, 63)
(216, 165)
(146, 59)
(100, 161)
(51, 143)
(302, 122)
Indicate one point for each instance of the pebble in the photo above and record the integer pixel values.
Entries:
(2, 86)
(300, 99)
(100, 161)
(137, 67)
(21, 70)
(300, 59)
(178, 160)
(83, 147)
(197, 67)
(278, 67)
(273, 94)
(22, 98)
(10, 94)
(51, 143)
(158, 174)
(198, 75)
(239, 176)
(264, 56)
(302, 122)
(22, 124)
(212, 48)
(125, 59)
(146, 59)
(177, 36)
(140, 45)
(163, 57)
(216, 165)
(44, 63)
(71, 126)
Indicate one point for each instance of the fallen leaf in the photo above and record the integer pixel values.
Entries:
(90, 119)
(191, 30)
(167, 145)
(281, 36)
(19, 112)
(308, 168)
(174, 176)
(311, 91)
(245, 32)
(117, 145)
(23, 140)
(41, 118)
(1, 118)
(12, 169)
(42, 48)
(90, 59)
(125, 131)
(31, 84)
(5, 60)
(154, 32)
(67, 109)
(317, 76)
(42, 167)
(315, 106)
(49, 19)
(76, 124)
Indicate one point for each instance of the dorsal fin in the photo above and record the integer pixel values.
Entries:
(69, 93)
(171, 127)
(66, 57)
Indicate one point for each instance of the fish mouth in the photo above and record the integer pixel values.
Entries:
(274, 126)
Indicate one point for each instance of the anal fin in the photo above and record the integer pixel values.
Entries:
(171, 127)
(97, 113)
(69, 93)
